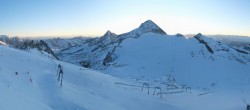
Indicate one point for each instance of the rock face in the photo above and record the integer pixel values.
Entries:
(247, 47)
(39, 45)
(150, 26)
(199, 38)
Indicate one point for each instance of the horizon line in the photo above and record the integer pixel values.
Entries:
(73, 36)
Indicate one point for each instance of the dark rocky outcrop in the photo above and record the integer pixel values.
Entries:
(85, 64)
(108, 59)
(199, 38)
(41, 46)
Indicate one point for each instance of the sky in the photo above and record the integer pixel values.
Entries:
(36, 18)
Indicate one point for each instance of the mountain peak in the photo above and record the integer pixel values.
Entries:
(198, 35)
(108, 37)
(179, 35)
(148, 22)
(150, 26)
(108, 33)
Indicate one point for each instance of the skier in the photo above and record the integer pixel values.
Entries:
(59, 68)
(60, 74)
(30, 80)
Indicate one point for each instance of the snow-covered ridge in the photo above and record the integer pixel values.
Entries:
(46, 47)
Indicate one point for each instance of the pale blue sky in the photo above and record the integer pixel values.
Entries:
(94, 17)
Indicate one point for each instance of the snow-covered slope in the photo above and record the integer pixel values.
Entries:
(29, 82)
(153, 55)
(219, 76)
(154, 71)
(241, 42)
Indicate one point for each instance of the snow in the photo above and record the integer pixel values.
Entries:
(11, 41)
(154, 55)
(2, 43)
(35, 86)
(58, 44)
(148, 70)
(216, 82)
(4, 38)
(107, 38)
(149, 26)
